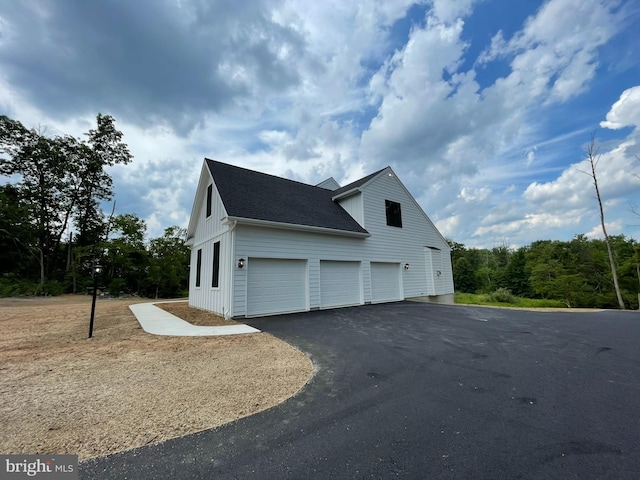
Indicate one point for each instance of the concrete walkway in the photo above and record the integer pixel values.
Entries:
(156, 321)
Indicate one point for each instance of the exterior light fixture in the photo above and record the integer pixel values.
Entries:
(438, 272)
(406, 266)
(97, 268)
(241, 263)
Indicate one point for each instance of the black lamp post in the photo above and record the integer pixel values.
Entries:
(97, 268)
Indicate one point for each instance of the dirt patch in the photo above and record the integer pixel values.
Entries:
(195, 316)
(65, 394)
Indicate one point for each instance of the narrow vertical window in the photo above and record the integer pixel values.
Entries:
(216, 265)
(198, 267)
(209, 195)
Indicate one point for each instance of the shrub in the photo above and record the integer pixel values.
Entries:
(13, 286)
(53, 287)
(502, 295)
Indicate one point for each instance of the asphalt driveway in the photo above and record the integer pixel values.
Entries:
(414, 390)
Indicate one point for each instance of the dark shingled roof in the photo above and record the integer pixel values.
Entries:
(259, 196)
(356, 184)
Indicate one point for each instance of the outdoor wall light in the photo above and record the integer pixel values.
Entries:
(241, 263)
(406, 266)
(438, 272)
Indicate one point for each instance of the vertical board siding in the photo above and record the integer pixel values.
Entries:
(208, 231)
(210, 226)
(206, 297)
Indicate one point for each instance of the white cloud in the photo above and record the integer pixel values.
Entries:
(450, 10)
(625, 112)
(613, 228)
(535, 223)
(474, 194)
(299, 92)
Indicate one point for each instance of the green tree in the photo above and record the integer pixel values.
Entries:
(516, 274)
(126, 256)
(60, 180)
(16, 234)
(103, 148)
(464, 276)
(169, 263)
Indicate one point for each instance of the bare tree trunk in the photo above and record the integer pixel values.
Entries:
(594, 157)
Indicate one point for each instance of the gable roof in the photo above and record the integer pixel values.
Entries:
(353, 186)
(329, 184)
(247, 194)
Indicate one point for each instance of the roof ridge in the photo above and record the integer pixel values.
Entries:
(261, 173)
(358, 182)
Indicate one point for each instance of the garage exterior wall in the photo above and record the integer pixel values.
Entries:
(413, 244)
(386, 244)
(260, 242)
(209, 231)
(406, 244)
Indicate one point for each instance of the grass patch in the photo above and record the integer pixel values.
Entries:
(518, 302)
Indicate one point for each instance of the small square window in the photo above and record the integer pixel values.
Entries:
(394, 214)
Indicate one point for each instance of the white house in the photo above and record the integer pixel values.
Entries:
(263, 245)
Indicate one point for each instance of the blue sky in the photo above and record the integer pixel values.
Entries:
(483, 108)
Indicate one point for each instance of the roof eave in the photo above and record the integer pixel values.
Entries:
(346, 194)
(292, 226)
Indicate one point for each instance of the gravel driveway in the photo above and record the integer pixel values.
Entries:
(415, 390)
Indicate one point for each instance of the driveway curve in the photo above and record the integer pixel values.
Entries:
(414, 390)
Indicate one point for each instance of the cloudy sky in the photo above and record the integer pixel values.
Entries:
(482, 107)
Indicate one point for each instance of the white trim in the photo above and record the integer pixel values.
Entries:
(291, 226)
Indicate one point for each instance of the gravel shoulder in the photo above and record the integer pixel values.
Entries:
(65, 394)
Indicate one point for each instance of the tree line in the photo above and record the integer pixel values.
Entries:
(53, 230)
(576, 272)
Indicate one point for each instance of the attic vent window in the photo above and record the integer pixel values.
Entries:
(394, 215)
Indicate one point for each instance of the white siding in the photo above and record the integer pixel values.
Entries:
(386, 244)
(287, 244)
(353, 205)
(206, 297)
(406, 244)
(209, 230)
(209, 227)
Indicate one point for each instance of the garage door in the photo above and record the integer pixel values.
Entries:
(385, 282)
(339, 284)
(276, 286)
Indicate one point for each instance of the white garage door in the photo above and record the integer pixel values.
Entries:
(339, 284)
(385, 282)
(276, 286)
